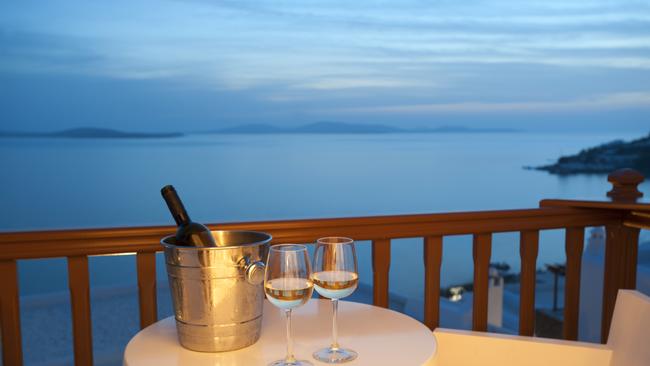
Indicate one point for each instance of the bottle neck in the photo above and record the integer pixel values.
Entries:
(181, 217)
(175, 206)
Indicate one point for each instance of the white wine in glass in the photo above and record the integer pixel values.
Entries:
(335, 276)
(288, 293)
(288, 284)
(335, 284)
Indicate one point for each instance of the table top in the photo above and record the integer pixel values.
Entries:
(380, 336)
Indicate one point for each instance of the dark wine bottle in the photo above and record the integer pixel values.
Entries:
(189, 233)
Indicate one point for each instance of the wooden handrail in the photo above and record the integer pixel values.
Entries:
(62, 243)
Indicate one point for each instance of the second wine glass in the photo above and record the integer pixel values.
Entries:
(335, 276)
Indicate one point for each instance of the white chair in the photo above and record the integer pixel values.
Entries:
(628, 343)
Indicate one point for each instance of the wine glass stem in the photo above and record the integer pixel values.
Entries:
(335, 326)
(290, 358)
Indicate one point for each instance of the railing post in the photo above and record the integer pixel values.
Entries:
(432, 261)
(482, 250)
(12, 351)
(573, 247)
(528, 250)
(625, 183)
(80, 302)
(146, 265)
(380, 269)
(621, 246)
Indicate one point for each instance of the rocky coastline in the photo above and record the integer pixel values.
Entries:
(605, 158)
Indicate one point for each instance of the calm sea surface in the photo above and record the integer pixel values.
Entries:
(65, 183)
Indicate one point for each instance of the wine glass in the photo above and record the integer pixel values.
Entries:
(335, 276)
(287, 285)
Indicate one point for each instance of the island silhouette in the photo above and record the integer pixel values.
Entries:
(89, 132)
(604, 158)
(260, 128)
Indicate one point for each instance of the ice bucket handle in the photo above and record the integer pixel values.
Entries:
(253, 271)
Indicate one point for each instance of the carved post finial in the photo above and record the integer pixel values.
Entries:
(624, 185)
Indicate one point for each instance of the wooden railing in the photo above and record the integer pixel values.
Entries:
(622, 218)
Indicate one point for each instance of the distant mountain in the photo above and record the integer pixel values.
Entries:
(342, 128)
(89, 132)
(462, 129)
(252, 128)
(605, 158)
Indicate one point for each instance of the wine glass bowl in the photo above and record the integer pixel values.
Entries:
(335, 276)
(335, 273)
(288, 284)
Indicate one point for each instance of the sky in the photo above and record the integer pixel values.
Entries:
(195, 65)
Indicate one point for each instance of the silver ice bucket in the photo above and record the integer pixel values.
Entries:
(218, 292)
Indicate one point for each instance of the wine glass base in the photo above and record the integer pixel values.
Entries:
(294, 363)
(332, 355)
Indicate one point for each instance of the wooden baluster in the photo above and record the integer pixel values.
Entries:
(621, 251)
(12, 350)
(146, 264)
(380, 270)
(574, 244)
(482, 249)
(528, 249)
(432, 261)
(621, 246)
(80, 301)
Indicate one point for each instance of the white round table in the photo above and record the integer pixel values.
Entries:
(380, 336)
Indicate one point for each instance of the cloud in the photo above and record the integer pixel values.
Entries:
(359, 57)
(355, 83)
(234, 42)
